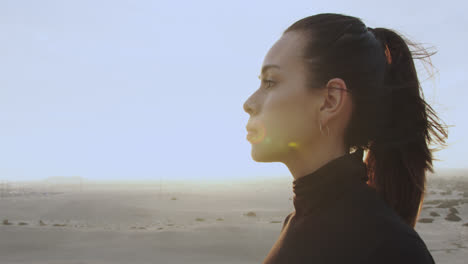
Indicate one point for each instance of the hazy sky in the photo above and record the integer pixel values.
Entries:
(150, 89)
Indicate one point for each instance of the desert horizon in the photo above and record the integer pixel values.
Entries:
(74, 220)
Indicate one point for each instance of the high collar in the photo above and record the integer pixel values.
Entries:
(327, 183)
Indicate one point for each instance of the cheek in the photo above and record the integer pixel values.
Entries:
(287, 118)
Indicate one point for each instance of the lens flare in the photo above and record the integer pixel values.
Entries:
(292, 145)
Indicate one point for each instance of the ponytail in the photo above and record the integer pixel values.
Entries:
(398, 157)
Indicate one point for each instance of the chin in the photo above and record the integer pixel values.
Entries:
(261, 154)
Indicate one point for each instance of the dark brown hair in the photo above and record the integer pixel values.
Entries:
(391, 121)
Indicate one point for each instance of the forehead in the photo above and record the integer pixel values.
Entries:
(286, 52)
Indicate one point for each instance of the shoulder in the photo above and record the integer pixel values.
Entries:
(404, 249)
(395, 241)
(286, 220)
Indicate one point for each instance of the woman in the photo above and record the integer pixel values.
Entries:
(331, 85)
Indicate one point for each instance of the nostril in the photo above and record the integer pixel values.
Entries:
(248, 109)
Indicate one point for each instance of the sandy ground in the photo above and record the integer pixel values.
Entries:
(141, 224)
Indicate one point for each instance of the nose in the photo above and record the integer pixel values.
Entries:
(248, 108)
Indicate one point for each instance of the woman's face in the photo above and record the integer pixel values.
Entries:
(283, 111)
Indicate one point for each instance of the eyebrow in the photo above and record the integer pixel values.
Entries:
(269, 66)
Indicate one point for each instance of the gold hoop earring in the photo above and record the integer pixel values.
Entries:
(321, 131)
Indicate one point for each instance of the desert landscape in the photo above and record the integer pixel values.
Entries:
(72, 220)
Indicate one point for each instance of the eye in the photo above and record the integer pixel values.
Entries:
(269, 83)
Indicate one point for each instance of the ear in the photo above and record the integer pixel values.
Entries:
(334, 100)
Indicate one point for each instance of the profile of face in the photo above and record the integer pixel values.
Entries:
(283, 110)
(285, 114)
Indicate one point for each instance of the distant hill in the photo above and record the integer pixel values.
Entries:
(64, 179)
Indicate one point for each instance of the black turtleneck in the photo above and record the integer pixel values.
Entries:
(338, 218)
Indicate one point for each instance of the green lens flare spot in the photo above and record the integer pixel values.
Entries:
(267, 140)
(292, 144)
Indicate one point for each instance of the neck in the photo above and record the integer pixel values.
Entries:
(306, 161)
(329, 182)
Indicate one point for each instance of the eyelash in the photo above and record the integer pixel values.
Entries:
(267, 81)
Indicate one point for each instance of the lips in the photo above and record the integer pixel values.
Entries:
(256, 132)
(251, 128)
(251, 136)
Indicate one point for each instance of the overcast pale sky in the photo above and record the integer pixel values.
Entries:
(149, 89)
